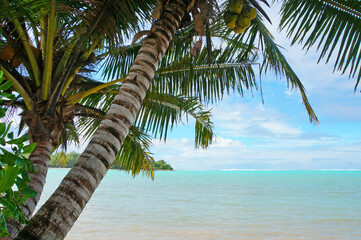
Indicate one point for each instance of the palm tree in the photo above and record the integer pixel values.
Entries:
(334, 26)
(86, 103)
(162, 107)
(58, 214)
(80, 96)
(46, 47)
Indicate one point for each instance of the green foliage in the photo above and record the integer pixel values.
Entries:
(334, 27)
(80, 37)
(135, 155)
(63, 160)
(161, 165)
(257, 40)
(14, 168)
(92, 36)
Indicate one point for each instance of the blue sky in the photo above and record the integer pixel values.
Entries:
(277, 134)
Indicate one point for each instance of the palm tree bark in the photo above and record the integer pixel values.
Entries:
(40, 158)
(56, 217)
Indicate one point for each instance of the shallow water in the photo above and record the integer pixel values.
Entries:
(221, 205)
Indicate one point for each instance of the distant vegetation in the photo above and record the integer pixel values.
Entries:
(161, 165)
(60, 161)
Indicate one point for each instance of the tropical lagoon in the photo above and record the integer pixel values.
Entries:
(220, 205)
(205, 85)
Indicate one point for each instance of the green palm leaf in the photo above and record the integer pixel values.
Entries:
(160, 112)
(135, 155)
(258, 39)
(334, 26)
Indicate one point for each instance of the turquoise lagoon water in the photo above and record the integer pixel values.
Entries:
(221, 205)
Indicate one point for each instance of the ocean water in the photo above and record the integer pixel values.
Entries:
(221, 205)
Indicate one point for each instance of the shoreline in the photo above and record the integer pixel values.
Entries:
(246, 170)
(113, 169)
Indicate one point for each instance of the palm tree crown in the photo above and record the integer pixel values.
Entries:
(56, 42)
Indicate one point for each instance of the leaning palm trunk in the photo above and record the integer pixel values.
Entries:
(56, 217)
(40, 158)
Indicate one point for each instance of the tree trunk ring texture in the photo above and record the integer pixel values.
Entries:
(56, 217)
(40, 158)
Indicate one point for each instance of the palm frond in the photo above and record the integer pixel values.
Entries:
(195, 77)
(334, 26)
(68, 135)
(258, 38)
(87, 119)
(161, 112)
(135, 154)
(203, 128)
(118, 61)
(274, 59)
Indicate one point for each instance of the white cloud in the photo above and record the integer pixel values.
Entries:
(279, 128)
(251, 119)
(300, 142)
(230, 154)
(182, 154)
(277, 135)
(256, 136)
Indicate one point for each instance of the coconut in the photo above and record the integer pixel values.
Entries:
(7, 53)
(236, 6)
(16, 61)
(230, 19)
(243, 21)
(239, 29)
(252, 13)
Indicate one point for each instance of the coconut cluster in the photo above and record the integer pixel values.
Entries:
(239, 15)
(8, 53)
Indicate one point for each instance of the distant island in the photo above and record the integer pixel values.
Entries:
(68, 161)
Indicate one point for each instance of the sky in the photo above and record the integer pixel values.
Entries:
(276, 134)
